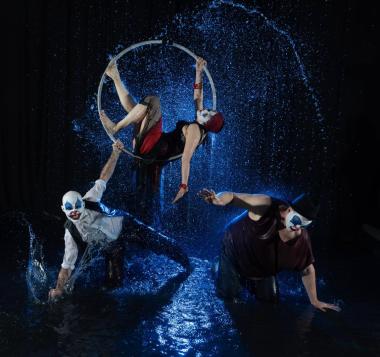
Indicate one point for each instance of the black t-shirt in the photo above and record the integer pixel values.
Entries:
(257, 250)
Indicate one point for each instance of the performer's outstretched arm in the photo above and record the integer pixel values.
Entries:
(68, 265)
(243, 200)
(198, 85)
(125, 98)
(110, 165)
(193, 136)
(63, 277)
(308, 280)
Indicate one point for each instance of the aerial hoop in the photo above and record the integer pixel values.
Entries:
(137, 45)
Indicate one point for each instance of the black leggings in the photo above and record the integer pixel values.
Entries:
(159, 244)
(229, 283)
(144, 238)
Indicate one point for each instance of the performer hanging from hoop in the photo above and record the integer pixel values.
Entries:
(149, 141)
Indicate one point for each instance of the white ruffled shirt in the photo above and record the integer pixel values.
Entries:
(92, 226)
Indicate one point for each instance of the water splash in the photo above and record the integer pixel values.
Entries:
(36, 275)
(90, 256)
(272, 24)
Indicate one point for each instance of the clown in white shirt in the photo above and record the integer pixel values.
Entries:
(86, 223)
(90, 224)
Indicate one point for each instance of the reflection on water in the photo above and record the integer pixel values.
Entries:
(142, 316)
(195, 319)
(162, 311)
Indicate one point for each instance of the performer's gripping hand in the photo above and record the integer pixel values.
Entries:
(112, 70)
(117, 147)
(210, 196)
(200, 64)
(55, 294)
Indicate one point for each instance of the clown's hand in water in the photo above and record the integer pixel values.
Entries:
(149, 140)
(269, 238)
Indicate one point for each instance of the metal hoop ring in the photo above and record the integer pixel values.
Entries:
(130, 48)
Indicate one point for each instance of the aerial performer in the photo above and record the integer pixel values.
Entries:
(150, 142)
(90, 222)
(270, 237)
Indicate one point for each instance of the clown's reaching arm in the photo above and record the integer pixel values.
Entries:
(63, 277)
(198, 85)
(96, 192)
(308, 280)
(68, 265)
(125, 98)
(110, 165)
(256, 203)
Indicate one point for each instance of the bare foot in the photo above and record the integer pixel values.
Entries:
(107, 122)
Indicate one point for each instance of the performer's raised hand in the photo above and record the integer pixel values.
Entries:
(200, 64)
(112, 70)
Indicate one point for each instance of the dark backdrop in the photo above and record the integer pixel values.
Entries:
(55, 51)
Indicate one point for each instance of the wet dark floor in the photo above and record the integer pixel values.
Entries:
(161, 311)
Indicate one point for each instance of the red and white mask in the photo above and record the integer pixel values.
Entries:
(211, 120)
(203, 116)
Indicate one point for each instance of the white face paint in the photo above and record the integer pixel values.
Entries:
(294, 221)
(203, 116)
(72, 205)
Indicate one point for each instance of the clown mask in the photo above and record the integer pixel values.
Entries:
(294, 221)
(72, 205)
